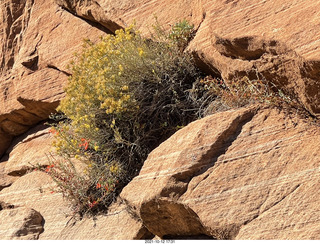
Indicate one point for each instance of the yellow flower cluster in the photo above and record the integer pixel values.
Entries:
(99, 80)
(114, 101)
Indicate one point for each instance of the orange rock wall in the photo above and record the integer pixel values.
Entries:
(243, 174)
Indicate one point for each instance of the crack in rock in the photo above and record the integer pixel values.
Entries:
(209, 158)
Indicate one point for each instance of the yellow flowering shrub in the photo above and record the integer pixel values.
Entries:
(125, 96)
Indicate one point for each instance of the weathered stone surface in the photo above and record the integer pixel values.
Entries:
(267, 60)
(143, 12)
(31, 149)
(242, 174)
(117, 224)
(20, 224)
(26, 152)
(250, 38)
(34, 190)
(90, 10)
(38, 42)
(14, 17)
(5, 179)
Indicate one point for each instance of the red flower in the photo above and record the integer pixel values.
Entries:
(91, 205)
(48, 167)
(53, 131)
(85, 144)
(98, 186)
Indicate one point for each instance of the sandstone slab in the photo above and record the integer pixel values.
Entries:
(5, 179)
(117, 224)
(245, 174)
(29, 151)
(22, 188)
(232, 173)
(35, 190)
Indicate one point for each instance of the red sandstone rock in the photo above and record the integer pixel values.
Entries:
(232, 39)
(36, 190)
(117, 224)
(242, 174)
(32, 149)
(38, 42)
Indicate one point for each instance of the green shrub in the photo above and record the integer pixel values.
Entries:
(182, 32)
(125, 96)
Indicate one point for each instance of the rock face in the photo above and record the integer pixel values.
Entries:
(250, 173)
(38, 41)
(243, 174)
(263, 40)
(233, 38)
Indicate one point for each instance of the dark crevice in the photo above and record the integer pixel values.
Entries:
(31, 63)
(33, 114)
(172, 220)
(43, 222)
(144, 234)
(41, 108)
(4, 158)
(225, 140)
(15, 122)
(50, 66)
(34, 137)
(5, 93)
(90, 22)
(19, 173)
(221, 145)
(239, 48)
(55, 27)
(21, 137)
(284, 197)
(204, 65)
(4, 205)
(24, 114)
(4, 186)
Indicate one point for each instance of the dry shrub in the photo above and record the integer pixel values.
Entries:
(242, 91)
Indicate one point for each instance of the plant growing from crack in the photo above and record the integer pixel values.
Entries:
(125, 96)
